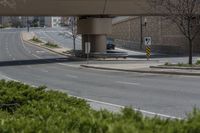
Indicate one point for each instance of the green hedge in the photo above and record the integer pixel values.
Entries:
(25, 109)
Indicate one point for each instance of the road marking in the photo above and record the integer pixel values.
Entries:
(44, 71)
(40, 51)
(37, 56)
(43, 37)
(71, 76)
(26, 49)
(62, 64)
(128, 83)
(9, 54)
(109, 104)
(29, 66)
(120, 106)
(8, 78)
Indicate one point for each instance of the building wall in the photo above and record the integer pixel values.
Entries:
(21, 21)
(48, 21)
(5, 20)
(56, 21)
(53, 21)
(166, 37)
(15, 21)
(64, 21)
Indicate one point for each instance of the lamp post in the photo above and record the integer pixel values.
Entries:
(27, 23)
(142, 24)
(19, 22)
(2, 22)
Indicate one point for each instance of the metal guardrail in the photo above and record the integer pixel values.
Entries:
(110, 54)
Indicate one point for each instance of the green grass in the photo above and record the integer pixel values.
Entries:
(198, 62)
(51, 45)
(35, 39)
(5, 26)
(26, 109)
(61, 34)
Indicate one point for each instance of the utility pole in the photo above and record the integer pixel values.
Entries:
(27, 23)
(73, 30)
(142, 24)
(141, 32)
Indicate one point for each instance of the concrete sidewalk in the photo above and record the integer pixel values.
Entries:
(143, 67)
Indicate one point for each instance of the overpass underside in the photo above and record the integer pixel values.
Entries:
(95, 15)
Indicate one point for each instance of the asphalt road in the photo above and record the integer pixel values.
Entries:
(61, 37)
(164, 94)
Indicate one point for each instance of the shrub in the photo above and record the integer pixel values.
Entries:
(44, 111)
(35, 39)
(51, 45)
(198, 62)
(167, 64)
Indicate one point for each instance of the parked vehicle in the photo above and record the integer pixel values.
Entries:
(110, 44)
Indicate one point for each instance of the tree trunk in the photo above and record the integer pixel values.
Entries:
(190, 51)
(74, 42)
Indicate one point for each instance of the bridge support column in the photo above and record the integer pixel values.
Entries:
(95, 31)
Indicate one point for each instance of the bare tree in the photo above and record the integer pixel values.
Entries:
(73, 28)
(8, 3)
(185, 14)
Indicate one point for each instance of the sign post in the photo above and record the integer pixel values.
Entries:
(87, 50)
(147, 43)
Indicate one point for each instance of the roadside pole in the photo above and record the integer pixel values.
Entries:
(148, 52)
(27, 24)
(147, 43)
(87, 50)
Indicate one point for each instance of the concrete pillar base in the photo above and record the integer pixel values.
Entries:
(95, 31)
(98, 42)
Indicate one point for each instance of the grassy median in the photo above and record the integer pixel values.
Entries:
(36, 40)
(27, 109)
(51, 45)
(197, 64)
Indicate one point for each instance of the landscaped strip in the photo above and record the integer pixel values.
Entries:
(197, 64)
(36, 40)
(51, 45)
(28, 109)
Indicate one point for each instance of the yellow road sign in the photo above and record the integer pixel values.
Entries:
(148, 51)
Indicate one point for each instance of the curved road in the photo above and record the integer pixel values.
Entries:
(164, 94)
(61, 37)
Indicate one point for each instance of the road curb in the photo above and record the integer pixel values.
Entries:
(172, 67)
(132, 60)
(45, 48)
(35, 44)
(143, 71)
(51, 50)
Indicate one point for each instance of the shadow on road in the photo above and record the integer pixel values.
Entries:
(34, 62)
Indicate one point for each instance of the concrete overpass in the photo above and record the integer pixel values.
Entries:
(94, 23)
